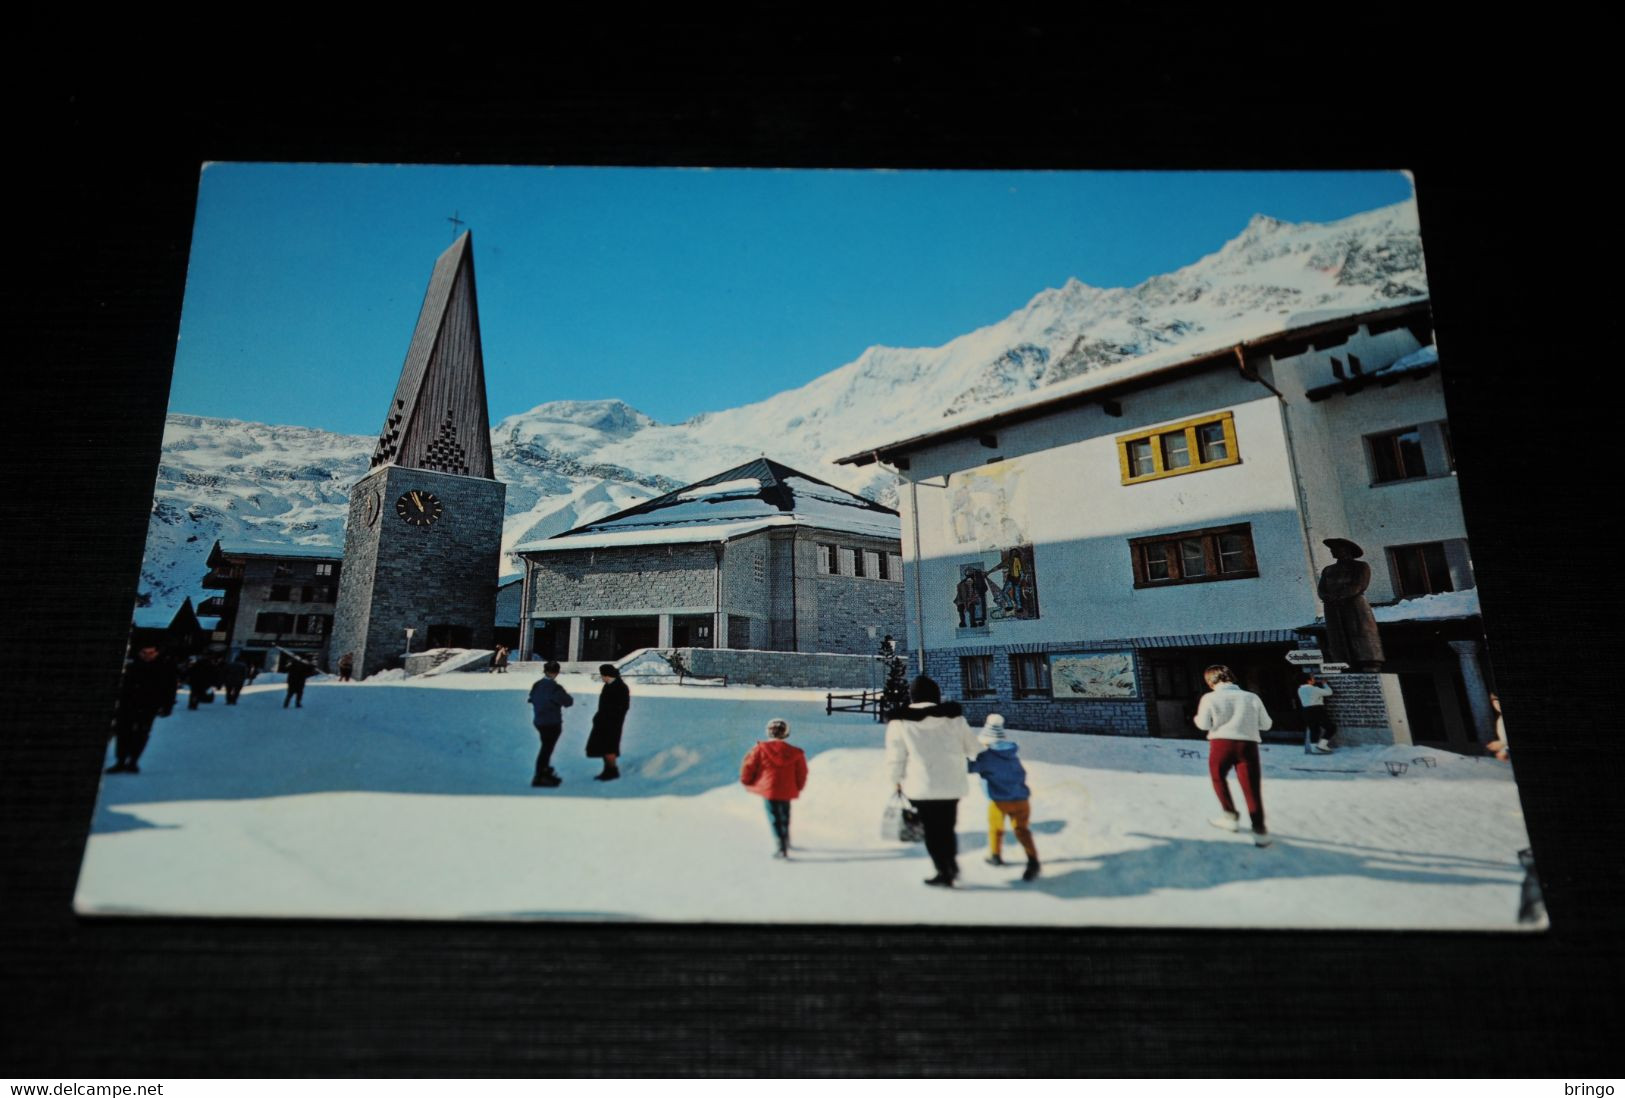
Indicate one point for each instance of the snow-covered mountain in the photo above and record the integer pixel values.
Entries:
(568, 462)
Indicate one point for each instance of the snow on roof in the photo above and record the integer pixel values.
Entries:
(280, 549)
(1440, 607)
(511, 577)
(1244, 334)
(726, 488)
(1427, 356)
(655, 535)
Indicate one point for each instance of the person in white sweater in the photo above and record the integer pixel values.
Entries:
(927, 746)
(1234, 720)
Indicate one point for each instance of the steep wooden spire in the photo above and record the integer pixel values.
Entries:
(438, 419)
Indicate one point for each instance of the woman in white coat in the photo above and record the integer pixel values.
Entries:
(927, 746)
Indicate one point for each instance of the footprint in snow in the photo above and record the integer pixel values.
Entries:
(670, 762)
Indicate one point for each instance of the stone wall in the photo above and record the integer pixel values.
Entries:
(645, 579)
(802, 670)
(397, 575)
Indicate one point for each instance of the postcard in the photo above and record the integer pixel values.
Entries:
(979, 548)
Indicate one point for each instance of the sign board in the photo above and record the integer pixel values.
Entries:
(1301, 656)
(1335, 671)
(1333, 668)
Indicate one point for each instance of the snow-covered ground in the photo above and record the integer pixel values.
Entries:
(411, 799)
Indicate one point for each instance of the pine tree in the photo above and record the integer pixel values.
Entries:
(895, 694)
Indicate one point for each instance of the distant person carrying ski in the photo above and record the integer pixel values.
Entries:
(548, 700)
(1007, 794)
(148, 692)
(1234, 721)
(298, 672)
(604, 742)
(927, 746)
(776, 772)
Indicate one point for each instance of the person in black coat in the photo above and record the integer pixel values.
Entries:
(605, 740)
(233, 673)
(148, 692)
(298, 672)
(201, 679)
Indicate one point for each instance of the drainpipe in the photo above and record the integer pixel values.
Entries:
(717, 636)
(919, 604)
(1292, 460)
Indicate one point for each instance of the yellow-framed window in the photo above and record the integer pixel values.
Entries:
(1207, 442)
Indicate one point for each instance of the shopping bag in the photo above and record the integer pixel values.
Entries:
(900, 822)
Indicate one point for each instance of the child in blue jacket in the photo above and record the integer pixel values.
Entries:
(1007, 793)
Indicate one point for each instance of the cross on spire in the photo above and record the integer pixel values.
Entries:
(456, 222)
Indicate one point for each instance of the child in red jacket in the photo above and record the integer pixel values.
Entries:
(778, 772)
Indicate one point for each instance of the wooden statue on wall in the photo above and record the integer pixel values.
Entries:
(1351, 628)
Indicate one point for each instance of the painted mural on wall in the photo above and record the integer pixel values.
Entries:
(987, 507)
(1094, 675)
(999, 586)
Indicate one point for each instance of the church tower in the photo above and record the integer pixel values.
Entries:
(424, 532)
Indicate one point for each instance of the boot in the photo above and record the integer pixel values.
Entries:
(1031, 872)
(994, 859)
(610, 774)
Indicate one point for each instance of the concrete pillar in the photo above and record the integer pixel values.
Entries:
(663, 634)
(573, 652)
(1478, 692)
(1393, 699)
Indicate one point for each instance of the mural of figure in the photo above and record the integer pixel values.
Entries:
(970, 596)
(1351, 628)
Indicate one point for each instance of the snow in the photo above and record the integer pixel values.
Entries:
(399, 798)
(1440, 607)
(1426, 356)
(280, 549)
(727, 488)
(655, 535)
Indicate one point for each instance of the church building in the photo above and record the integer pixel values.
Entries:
(1083, 551)
(423, 535)
(759, 557)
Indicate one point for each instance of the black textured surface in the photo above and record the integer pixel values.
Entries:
(109, 152)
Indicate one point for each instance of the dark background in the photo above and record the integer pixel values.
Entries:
(106, 142)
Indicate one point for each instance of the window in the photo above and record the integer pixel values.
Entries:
(848, 567)
(1194, 556)
(894, 567)
(827, 565)
(977, 674)
(1176, 448)
(1397, 455)
(313, 624)
(758, 568)
(281, 592)
(1029, 675)
(282, 568)
(324, 569)
(859, 563)
(273, 622)
(1420, 569)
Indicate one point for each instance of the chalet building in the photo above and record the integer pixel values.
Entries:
(272, 596)
(1084, 551)
(757, 557)
(176, 633)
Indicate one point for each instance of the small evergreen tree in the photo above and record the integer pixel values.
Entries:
(895, 694)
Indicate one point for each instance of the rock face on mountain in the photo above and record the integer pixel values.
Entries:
(568, 462)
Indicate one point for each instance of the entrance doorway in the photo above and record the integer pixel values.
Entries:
(604, 640)
(1177, 686)
(692, 631)
(444, 635)
(550, 640)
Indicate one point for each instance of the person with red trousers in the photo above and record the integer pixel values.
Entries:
(776, 772)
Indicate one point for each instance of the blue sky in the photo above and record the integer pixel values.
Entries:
(678, 291)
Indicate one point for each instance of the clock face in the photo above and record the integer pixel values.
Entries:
(374, 506)
(419, 508)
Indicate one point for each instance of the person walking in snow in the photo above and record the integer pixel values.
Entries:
(147, 693)
(548, 700)
(1498, 746)
(1317, 720)
(778, 773)
(927, 746)
(604, 742)
(499, 661)
(1007, 794)
(298, 672)
(233, 673)
(1234, 720)
(202, 676)
(346, 666)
